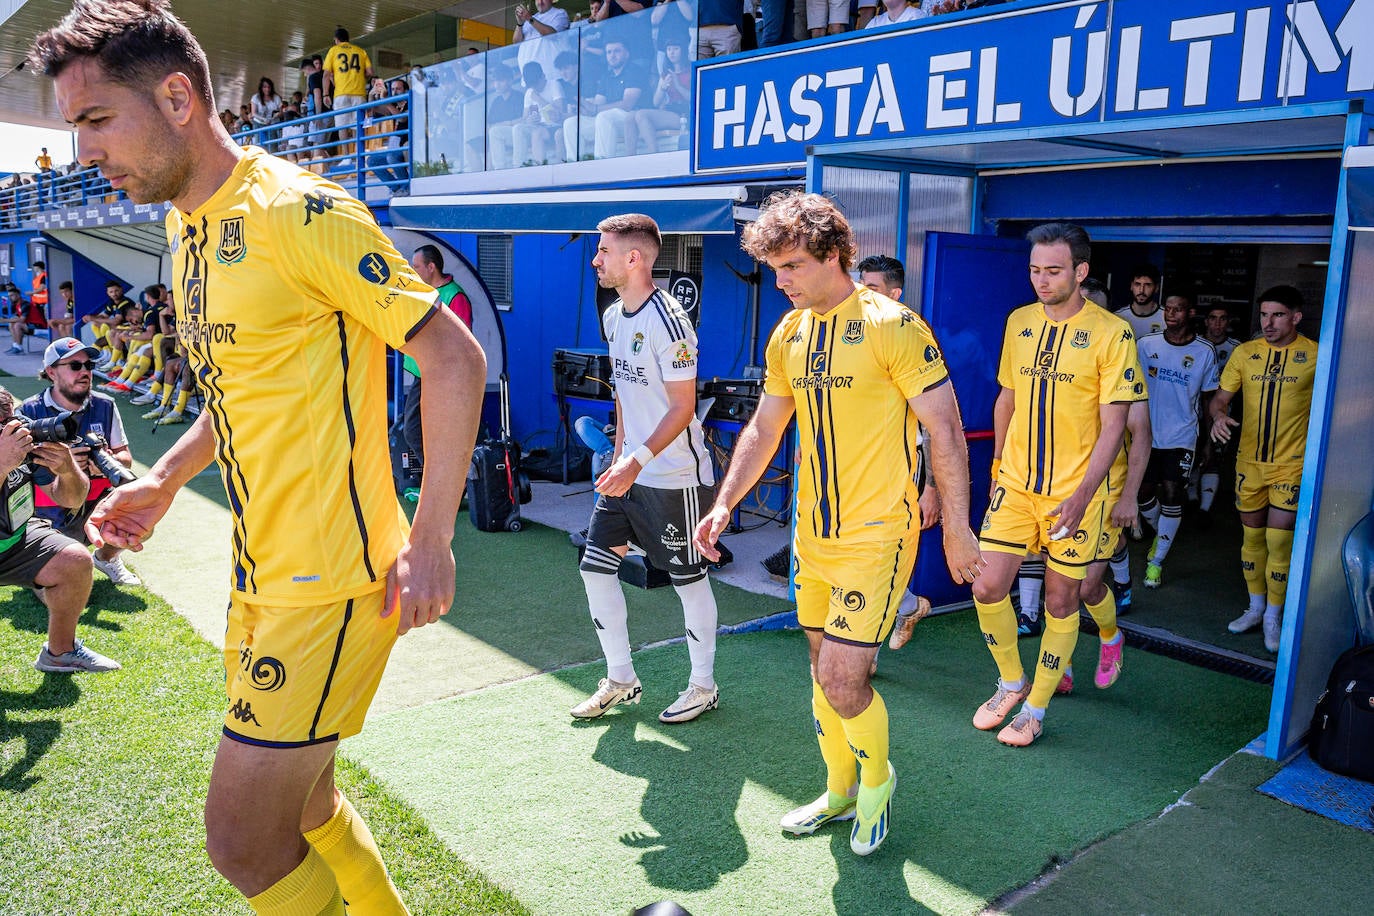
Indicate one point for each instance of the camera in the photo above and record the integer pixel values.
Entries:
(65, 428)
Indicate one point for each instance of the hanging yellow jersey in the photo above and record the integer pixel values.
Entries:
(1275, 384)
(1062, 372)
(850, 373)
(288, 295)
(349, 64)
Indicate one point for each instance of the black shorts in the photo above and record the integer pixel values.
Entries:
(1169, 464)
(21, 564)
(659, 522)
(70, 522)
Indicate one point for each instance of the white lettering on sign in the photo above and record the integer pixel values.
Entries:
(806, 112)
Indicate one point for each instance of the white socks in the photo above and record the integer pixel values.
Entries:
(699, 615)
(606, 601)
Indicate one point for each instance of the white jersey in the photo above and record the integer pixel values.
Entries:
(656, 344)
(1177, 375)
(1145, 325)
(1224, 349)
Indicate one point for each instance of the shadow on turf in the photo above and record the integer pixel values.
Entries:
(683, 854)
(28, 614)
(56, 692)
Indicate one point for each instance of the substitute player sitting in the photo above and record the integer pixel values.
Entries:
(1068, 372)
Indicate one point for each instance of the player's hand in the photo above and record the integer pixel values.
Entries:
(964, 558)
(617, 479)
(708, 532)
(15, 444)
(1221, 428)
(1068, 515)
(126, 517)
(1126, 513)
(419, 585)
(930, 508)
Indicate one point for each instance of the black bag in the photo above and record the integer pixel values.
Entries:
(405, 464)
(1342, 735)
(496, 485)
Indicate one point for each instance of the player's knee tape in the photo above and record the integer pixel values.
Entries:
(600, 560)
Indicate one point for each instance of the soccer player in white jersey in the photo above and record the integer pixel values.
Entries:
(661, 477)
(1181, 372)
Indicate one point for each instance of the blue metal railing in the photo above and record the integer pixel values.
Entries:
(377, 154)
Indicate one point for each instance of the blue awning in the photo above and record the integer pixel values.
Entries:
(705, 209)
(1359, 186)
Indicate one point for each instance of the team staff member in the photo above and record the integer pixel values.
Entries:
(859, 371)
(32, 554)
(1217, 332)
(1068, 372)
(428, 262)
(68, 365)
(660, 475)
(1273, 374)
(63, 326)
(287, 296)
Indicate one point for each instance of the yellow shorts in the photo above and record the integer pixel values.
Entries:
(1018, 522)
(298, 676)
(852, 590)
(1259, 486)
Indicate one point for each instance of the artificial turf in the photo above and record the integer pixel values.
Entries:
(599, 817)
(103, 777)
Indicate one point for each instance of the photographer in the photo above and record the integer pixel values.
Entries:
(67, 365)
(35, 556)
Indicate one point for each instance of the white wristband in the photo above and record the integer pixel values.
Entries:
(642, 455)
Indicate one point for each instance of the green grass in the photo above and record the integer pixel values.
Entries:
(103, 777)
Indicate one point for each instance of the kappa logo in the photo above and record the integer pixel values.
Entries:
(374, 269)
(795, 338)
(853, 331)
(908, 317)
(1127, 336)
(1027, 332)
(1080, 340)
(231, 248)
(841, 624)
(1071, 553)
(637, 344)
(316, 204)
(1254, 356)
(243, 712)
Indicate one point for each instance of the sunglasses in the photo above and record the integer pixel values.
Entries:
(79, 367)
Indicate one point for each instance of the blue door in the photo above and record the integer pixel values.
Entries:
(970, 284)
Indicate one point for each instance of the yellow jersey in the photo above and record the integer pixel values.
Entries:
(1061, 373)
(349, 64)
(850, 373)
(288, 295)
(1276, 386)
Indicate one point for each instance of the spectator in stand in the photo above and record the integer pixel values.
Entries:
(546, 20)
(777, 23)
(245, 119)
(347, 69)
(827, 17)
(314, 87)
(389, 164)
(895, 12)
(293, 135)
(671, 97)
(505, 108)
(616, 95)
(265, 103)
(43, 162)
(544, 111)
(672, 19)
(636, 33)
(718, 28)
(62, 327)
(582, 20)
(566, 88)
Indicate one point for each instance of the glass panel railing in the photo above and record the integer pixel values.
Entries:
(607, 89)
(364, 147)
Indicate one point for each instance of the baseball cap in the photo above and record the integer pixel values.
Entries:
(63, 347)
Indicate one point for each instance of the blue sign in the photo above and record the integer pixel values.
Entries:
(1076, 62)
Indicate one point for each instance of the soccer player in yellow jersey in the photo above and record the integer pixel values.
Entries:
(347, 71)
(1068, 372)
(287, 294)
(1273, 374)
(859, 371)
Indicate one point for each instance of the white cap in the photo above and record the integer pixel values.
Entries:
(64, 347)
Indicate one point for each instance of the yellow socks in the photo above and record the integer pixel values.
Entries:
(840, 766)
(310, 890)
(1279, 541)
(1254, 558)
(1104, 615)
(182, 397)
(346, 845)
(867, 735)
(1056, 654)
(999, 632)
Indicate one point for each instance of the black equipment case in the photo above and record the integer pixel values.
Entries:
(1342, 735)
(496, 485)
